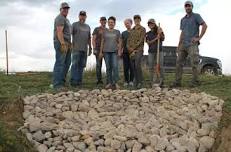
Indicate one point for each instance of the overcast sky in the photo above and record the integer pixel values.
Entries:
(30, 26)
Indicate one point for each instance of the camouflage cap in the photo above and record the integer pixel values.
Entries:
(188, 3)
(64, 5)
(151, 21)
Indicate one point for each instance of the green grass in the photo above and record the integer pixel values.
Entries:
(14, 87)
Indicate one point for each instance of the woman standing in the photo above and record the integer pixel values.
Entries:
(152, 37)
(110, 49)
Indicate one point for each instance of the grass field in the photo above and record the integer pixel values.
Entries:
(14, 87)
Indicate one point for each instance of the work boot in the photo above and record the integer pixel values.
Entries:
(194, 84)
(175, 85)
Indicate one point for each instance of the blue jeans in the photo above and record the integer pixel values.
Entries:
(61, 67)
(111, 67)
(98, 68)
(79, 59)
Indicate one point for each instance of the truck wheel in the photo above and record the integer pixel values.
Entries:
(209, 70)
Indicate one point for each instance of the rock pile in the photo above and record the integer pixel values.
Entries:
(145, 120)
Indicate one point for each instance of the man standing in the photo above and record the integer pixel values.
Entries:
(188, 45)
(62, 45)
(128, 71)
(81, 33)
(96, 42)
(152, 37)
(135, 47)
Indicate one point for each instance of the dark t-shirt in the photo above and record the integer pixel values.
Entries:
(62, 21)
(153, 47)
(124, 37)
(98, 32)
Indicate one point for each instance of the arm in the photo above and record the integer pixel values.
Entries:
(89, 44)
(101, 48)
(204, 28)
(60, 34)
(120, 46)
(129, 44)
(181, 39)
(94, 41)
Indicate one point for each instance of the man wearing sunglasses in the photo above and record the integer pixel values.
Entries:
(62, 45)
(188, 45)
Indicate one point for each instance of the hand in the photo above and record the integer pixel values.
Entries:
(94, 51)
(64, 47)
(120, 54)
(160, 30)
(179, 47)
(195, 40)
(90, 52)
(100, 55)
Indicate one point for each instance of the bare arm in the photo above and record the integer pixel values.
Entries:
(94, 41)
(120, 46)
(89, 43)
(60, 34)
(181, 39)
(204, 28)
(101, 48)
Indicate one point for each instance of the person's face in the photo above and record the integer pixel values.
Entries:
(151, 25)
(103, 23)
(82, 18)
(137, 21)
(111, 24)
(188, 8)
(64, 11)
(128, 24)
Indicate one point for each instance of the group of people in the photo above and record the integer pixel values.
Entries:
(73, 43)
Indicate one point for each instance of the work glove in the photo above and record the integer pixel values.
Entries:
(64, 47)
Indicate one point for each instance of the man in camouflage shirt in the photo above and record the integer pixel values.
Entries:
(135, 47)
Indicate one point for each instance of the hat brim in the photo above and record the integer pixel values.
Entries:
(66, 7)
(151, 22)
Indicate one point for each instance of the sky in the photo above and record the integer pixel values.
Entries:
(30, 27)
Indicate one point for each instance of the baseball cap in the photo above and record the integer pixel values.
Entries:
(151, 21)
(137, 17)
(64, 5)
(83, 13)
(188, 3)
(103, 18)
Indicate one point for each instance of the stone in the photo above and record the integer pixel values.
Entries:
(42, 148)
(136, 147)
(145, 120)
(39, 136)
(207, 142)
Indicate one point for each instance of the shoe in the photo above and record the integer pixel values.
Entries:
(139, 86)
(131, 84)
(117, 86)
(175, 85)
(99, 82)
(125, 84)
(108, 86)
(194, 84)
